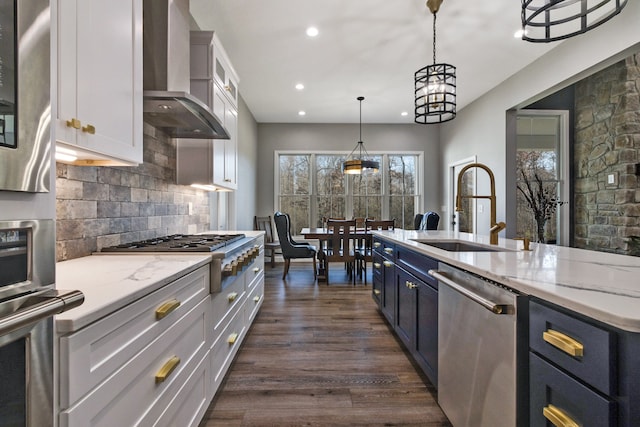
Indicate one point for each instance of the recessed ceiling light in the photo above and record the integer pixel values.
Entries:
(301, 113)
(404, 113)
(299, 86)
(312, 31)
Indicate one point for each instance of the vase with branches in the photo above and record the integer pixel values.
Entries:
(540, 197)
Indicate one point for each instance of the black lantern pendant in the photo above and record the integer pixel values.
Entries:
(435, 85)
(358, 164)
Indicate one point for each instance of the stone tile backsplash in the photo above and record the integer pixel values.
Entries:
(103, 206)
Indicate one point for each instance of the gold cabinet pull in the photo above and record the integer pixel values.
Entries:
(563, 342)
(166, 308)
(410, 285)
(256, 270)
(377, 292)
(74, 123)
(377, 265)
(377, 244)
(232, 338)
(387, 263)
(388, 250)
(89, 129)
(232, 296)
(167, 369)
(558, 417)
(256, 298)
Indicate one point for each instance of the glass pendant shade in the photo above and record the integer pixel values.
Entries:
(356, 162)
(552, 20)
(435, 94)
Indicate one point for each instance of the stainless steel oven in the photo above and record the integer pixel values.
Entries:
(28, 302)
(25, 100)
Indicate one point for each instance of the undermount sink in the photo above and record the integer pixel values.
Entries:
(459, 246)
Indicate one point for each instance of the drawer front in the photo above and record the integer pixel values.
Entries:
(126, 397)
(556, 394)
(187, 406)
(92, 354)
(254, 301)
(224, 348)
(226, 304)
(384, 248)
(549, 329)
(417, 264)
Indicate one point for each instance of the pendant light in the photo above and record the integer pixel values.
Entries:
(356, 165)
(435, 85)
(546, 21)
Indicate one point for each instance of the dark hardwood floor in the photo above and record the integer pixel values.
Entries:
(319, 355)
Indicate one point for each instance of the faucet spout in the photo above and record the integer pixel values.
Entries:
(496, 227)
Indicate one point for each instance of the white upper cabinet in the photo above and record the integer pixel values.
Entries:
(213, 81)
(99, 81)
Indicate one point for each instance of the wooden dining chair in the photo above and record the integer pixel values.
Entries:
(340, 246)
(264, 223)
(365, 253)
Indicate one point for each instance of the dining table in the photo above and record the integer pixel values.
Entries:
(322, 234)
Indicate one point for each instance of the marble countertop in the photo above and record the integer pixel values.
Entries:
(599, 285)
(112, 281)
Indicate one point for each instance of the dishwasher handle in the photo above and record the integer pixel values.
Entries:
(488, 304)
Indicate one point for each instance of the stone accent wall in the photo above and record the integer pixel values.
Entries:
(105, 206)
(607, 142)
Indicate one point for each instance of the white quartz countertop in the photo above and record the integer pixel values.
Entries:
(600, 285)
(112, 281)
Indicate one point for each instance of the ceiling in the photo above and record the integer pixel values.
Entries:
(369, 48)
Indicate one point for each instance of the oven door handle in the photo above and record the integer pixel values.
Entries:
(40, 307)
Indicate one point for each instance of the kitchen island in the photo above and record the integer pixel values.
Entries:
(576, 329)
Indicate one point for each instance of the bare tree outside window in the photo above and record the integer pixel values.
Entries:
(295, 187)
(402, 189)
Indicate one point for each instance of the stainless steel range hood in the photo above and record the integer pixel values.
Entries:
(167, 103)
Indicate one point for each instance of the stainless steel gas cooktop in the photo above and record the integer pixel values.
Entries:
(179, 243)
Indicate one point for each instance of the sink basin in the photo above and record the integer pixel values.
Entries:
(460, 246)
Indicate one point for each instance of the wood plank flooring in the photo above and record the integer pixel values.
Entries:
(321, 355)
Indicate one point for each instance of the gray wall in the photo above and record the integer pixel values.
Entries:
(343, 137)
(479, 128)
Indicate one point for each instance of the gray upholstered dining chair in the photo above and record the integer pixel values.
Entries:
(289, 247)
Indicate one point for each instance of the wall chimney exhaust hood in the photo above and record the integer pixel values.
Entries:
(167, 104)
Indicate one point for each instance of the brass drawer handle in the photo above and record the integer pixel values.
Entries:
(166, 308)
(256, 298)
(377, 265)
(377, 292)
(563, 342)
(377, 244)
(232, 296)
(232, 338)
(410, 285)
(167, 369)
(256, 270)
(387, 263)
(89, 129)
(558, 417)
(388, 250)
(74, 123)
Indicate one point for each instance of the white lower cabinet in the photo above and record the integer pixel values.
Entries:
(159, 360)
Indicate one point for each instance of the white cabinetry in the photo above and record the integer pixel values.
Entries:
(214, 82)
(99, 80)
(134, 366)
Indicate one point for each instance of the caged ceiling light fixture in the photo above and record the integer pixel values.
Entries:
(435, 85)
(356, 165)
(546, 21)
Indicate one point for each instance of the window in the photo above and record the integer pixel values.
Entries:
(312, 186)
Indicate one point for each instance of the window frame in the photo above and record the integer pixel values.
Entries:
(386, 197)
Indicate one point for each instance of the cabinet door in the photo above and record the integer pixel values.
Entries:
(426, 346)
(407, 288)
(377, 279)
(388, 300)
(231, 149)
(100, 77)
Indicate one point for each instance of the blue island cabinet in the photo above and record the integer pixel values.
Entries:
(408, 297)
(581, 371)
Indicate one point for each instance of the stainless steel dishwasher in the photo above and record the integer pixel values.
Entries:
(477, 350)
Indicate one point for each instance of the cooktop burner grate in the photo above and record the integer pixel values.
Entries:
(178, 243)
